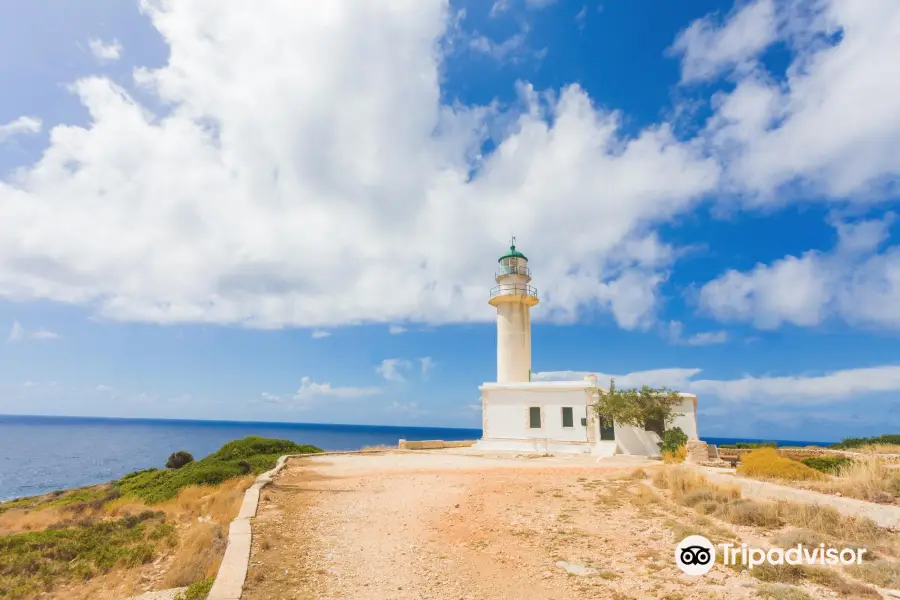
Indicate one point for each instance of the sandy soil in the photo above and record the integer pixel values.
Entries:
(457, 526)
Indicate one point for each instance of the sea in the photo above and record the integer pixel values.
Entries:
(40, 454)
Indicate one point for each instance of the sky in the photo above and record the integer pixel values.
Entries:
(293, 210)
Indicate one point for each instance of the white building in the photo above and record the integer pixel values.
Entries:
(550, 416)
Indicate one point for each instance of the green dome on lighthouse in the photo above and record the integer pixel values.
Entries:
(513, 253)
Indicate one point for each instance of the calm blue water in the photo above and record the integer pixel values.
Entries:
(41, 454)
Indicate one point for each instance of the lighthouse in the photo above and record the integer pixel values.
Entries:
(513, 298)
(521, 415)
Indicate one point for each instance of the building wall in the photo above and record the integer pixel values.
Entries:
(632, 440)
(513, 342)
(506, 420)
(688, 419)
(507, 413)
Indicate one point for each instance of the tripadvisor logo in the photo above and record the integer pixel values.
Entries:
(695, 555)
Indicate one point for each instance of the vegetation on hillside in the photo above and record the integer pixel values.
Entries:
(241, 457)
(74, 535)
(857, 443)
(198, 590)
(179, 459)
(749, 445)
(33, 562)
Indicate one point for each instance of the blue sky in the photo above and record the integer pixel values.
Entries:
(214, 209)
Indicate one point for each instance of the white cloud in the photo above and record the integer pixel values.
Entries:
(310, 390)
(426, 363)
(39, 384)
(676, 336)
(821, 389)
(270, 398)
(795, 390)
(105, 52)
(319, 334)
(512, 49)
(45, 334)
(104, 388)
(831, 125)
(499, 7)
(390, 369)
(17, 333)
(262, 182)
(19, 126)
(539, 4)
(707, 47)
(396, 329)
(674, 378)
(854, 282)
(581, 17)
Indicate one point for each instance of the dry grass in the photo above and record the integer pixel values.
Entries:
(882, 573)
(868, 479)
(199, 554)
(780, 591)
(684, 482)
(219, 504)
(377, 448)
(828, 521)
(767, 463)
(19, 520)
(676, 456)
(825, 577)
(690, 488)
(879, 449)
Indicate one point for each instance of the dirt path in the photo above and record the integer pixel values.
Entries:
(398, 526)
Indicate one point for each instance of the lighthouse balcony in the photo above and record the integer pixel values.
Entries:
(514, 293)
(512, 270)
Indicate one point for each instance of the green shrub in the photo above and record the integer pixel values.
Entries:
(672, 440)
(179, 459)
(827, 464)
(750, 445)
(34, 562)
(235, 459)
(198, 590)
(850, 443)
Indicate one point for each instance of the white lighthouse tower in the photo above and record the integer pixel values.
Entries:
(513, 297)
(519, 414)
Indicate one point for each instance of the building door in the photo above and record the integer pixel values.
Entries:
(607, 430)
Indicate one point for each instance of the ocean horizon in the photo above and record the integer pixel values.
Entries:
(40, 454)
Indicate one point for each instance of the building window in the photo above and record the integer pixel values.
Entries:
(568, 419)
(534, 417)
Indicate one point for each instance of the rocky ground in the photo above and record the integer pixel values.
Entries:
(457, 526)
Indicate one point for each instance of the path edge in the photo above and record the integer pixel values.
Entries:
(232, 573)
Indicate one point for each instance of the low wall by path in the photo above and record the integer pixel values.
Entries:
(433, 444)
(887, 516)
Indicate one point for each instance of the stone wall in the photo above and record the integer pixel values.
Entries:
(697, 452)
(433, 444)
